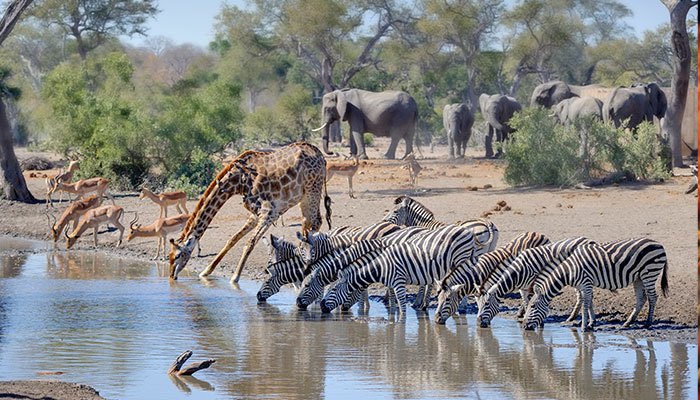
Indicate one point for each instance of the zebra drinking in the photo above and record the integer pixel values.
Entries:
(612, 266)
(405, 263)
(466, 279)
(520, 274)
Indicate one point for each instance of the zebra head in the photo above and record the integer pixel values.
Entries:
(279, 249)
(311, 289)
(536, 311)
(397, 216)
(271, 285)
(310, 246)
(488, 307)
(336, 296)
(448, 301)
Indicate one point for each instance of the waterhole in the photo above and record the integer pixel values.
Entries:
(117, 325)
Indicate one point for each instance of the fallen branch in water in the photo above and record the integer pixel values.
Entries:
(176, 368)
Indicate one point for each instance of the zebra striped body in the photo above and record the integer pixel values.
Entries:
(520, 274)
(291, 270)
(285, 265)
(466, 279)
(410, 212)
(612, 266)
(325, 270)
(316, 244)
(417, 263)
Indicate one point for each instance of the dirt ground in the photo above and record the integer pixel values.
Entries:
(53, 390)
(453, 190)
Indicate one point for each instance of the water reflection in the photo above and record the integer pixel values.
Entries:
(118, 325)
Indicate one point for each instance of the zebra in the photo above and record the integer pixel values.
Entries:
(291, 270)
(315, 245)
(612, 266)
(325, 270)
(520, 274)
(285, 264)
(465, 279)
(410, 212)
(417, 263)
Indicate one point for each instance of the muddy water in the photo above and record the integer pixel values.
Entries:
(117, 325)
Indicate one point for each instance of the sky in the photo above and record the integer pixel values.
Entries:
(193, 22)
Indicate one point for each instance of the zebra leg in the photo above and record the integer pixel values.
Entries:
(574, 311)
(587, 311)
(423, 297)
(524, 297)
(462, 307)
(650, 292)
(641, 299)
(400, 292)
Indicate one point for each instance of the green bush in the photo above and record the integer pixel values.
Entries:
(542, 152)
(194, 176)
(368, 138)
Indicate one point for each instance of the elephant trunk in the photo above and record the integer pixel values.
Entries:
(324, 139)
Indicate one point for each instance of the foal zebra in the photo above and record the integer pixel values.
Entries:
(466, 279)
(612, 266)
(520, 274)
(417, 263)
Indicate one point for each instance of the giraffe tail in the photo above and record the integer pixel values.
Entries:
(327, 204)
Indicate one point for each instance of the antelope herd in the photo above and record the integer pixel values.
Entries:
(87, 212)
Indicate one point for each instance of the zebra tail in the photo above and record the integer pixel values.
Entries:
(327, 204)
(664, 280)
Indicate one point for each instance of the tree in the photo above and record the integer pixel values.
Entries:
(681, 75)
(92, 22)
(12, 182)
(462, 25)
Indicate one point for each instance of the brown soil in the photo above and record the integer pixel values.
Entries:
(53, 390)
(454, 190)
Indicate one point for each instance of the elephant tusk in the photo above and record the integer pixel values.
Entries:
(319, 128)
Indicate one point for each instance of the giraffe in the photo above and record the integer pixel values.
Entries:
(271, 182)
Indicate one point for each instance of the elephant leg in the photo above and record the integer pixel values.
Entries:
(451, 144)
(500, 135)
(488, 142)
(358, 143)
(391, 151)
(461, 148)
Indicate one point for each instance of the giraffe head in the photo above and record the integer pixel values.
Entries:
(180, 255)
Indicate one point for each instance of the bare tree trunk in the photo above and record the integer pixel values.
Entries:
(12, 183)
(681, 75)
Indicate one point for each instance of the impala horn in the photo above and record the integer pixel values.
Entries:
(133, 221)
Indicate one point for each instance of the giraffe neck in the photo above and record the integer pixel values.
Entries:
(211, 203)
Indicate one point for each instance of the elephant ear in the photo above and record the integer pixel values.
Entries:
(341, 105)
(657, 99)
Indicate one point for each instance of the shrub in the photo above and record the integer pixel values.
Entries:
(368, 138)
(542, 152)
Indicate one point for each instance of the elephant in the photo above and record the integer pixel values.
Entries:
(458, 121)
(634, 105)
(390, 113)
(550, 93)
(497, 110)
(573, 108)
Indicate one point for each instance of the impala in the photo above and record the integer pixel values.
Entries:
(93, 219)
(165, 199)
(72, 213)
(347, 170)
(82, 187)
(160, 228)
(66, 176)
